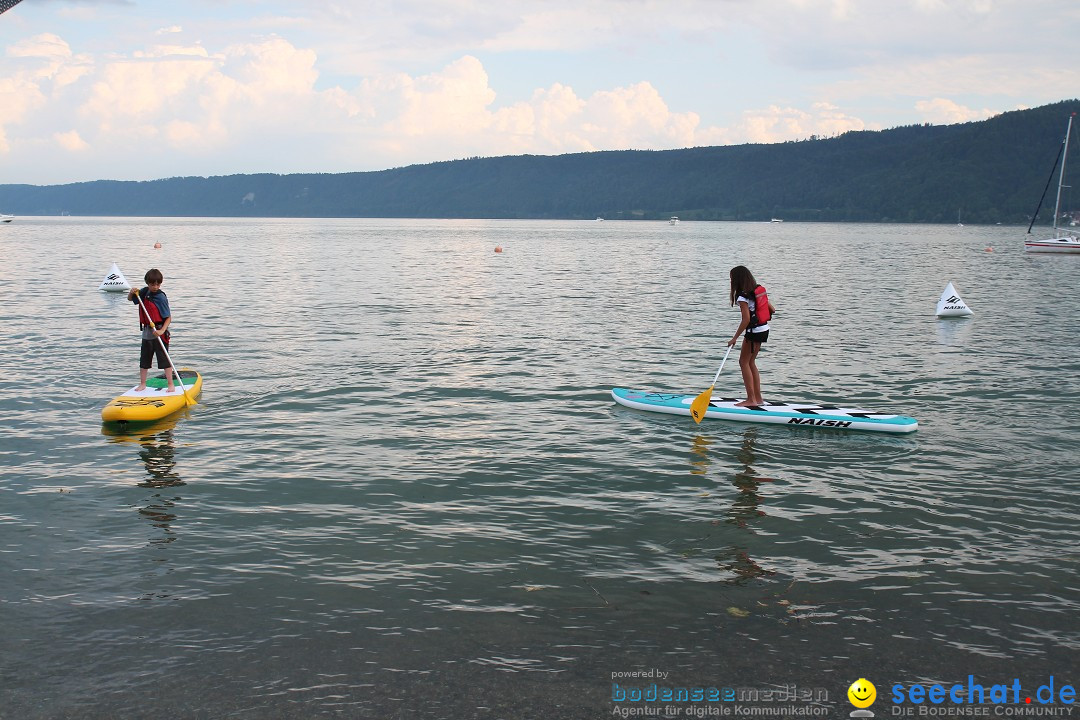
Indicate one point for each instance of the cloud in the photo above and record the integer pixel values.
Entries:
(143, 90)
(21, 95)
(835, 34)
(45, 45)
(452, 102)
(451, 112)
(325, 87)
(161, 51)
(260, 102)
(636, 117)
(192, 99)
(70, 141)
(777, 124)
(946, 112)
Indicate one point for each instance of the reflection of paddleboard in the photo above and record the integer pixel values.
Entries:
(154, 402)
(140, 432)
(786, 413)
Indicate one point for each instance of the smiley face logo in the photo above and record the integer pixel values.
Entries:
(862, 693)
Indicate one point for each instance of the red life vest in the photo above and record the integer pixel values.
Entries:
(154, 318)
(151, 316)
(760, 315)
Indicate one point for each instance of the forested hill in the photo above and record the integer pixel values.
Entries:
(980, 172)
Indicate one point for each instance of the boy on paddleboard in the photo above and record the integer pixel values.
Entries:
(154, 321)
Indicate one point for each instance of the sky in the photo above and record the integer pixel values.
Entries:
(147, 89)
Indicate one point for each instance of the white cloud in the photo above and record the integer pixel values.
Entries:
(169, 104)
(70, 141)
(18, 98)
(942, 111)
(45, 45)
(271, 67)
(452, 102)
(127, 91)
(338, 89)
(778, 124)
(553, 126)
(160, 51)
(450, 114)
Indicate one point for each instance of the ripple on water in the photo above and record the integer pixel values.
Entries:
(422, 483)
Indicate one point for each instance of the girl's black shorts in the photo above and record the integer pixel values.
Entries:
(756, 337)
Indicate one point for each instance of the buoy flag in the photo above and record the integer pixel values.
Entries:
(950, 304)
(114, 281)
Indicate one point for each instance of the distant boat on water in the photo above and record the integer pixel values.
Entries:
(673, 220)
(776, 220)
(1063, 241)
(6, 218)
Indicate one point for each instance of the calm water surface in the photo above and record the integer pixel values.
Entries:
(407, 493)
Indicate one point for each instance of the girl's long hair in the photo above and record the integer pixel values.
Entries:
(742, 283)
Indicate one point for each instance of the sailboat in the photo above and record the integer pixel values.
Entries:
(1063, 241)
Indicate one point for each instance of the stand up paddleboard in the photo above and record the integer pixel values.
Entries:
(153, 402)
(784, 413)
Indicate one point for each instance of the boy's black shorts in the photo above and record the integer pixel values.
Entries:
(146, 355)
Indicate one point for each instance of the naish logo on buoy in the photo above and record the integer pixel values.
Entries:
(954, 303)
(822, 423)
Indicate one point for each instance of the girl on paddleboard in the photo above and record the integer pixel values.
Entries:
(756, 310)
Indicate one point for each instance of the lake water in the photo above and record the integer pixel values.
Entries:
(407, 493)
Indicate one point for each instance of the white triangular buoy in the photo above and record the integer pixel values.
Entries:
(950, 304)
(114, 281)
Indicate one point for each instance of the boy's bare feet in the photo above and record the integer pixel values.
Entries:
(170, 388)
(140, 388)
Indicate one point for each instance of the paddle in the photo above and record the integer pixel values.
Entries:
(701, 402)
(165, 348)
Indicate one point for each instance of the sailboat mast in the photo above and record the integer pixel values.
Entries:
(1061, 177)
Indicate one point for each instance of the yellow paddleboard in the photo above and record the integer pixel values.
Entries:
(154, 401)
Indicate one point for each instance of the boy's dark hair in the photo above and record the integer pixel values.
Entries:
(153, 275)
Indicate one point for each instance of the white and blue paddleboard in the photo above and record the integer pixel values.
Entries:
(784, 413)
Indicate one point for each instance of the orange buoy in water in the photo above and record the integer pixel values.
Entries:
(498, 248)
(989, 249)
(157, 246)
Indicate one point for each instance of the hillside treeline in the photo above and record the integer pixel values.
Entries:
(980, 172)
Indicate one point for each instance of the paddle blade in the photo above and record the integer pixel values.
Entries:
(700, 405)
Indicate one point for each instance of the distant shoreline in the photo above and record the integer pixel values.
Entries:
(986, 173)
(503, 219)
